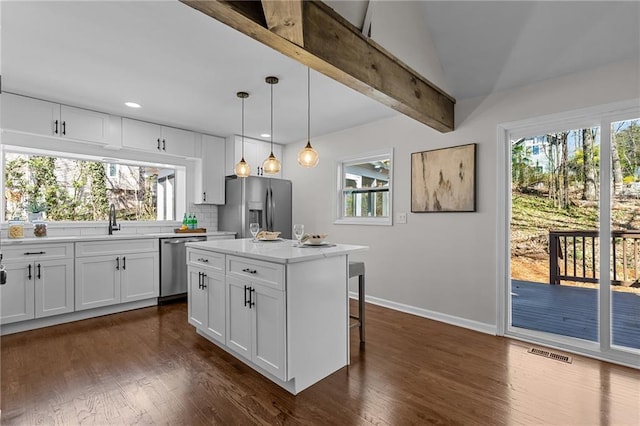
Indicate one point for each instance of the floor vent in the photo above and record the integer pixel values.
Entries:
(551, 355)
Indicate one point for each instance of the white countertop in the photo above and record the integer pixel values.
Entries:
(115, 236)
(281, 251)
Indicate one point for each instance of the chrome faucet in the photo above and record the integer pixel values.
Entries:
(113, 226)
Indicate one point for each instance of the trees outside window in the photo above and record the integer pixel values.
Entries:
(80, 190)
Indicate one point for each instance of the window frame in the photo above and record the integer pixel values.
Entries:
(342, 163)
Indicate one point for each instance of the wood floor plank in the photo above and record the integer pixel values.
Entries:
(150, 367)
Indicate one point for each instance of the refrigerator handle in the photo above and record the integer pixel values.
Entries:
(273, 207)
(267, 207)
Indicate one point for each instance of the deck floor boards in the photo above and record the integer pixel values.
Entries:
(573, 311)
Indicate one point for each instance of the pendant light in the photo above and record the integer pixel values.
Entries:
(308, 157)
(271, 165)
(242, 169)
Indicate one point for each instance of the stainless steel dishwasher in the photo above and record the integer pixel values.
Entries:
(173, 267)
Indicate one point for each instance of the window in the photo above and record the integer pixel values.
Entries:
(364, 189)
(80, 188)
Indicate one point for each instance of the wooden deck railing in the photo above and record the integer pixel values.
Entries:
(574, 256)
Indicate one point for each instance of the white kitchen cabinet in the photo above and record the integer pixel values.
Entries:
(25, 114)
(207, 293)
(256, 324)
(40, 280)
(255, 152)
(156, 138)
(17, 295)
(139, 276)
(97, 282)
(209, 182)
(207, 302)
(113, 272)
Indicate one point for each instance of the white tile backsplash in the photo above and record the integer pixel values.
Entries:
(207, 215)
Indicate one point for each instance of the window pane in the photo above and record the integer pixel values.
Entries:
(625, 238)
(555, 238)
(68, 189)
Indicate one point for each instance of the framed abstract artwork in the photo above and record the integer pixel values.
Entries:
(444, 180)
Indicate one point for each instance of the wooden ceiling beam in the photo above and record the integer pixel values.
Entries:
(285, 19)
(337, 49)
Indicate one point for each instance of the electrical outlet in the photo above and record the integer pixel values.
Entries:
(402, 218)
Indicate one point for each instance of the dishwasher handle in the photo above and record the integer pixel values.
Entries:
(183, 240)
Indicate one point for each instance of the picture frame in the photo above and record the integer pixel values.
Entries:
(444, 180)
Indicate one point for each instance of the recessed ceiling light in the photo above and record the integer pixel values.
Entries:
(265, 135)
(132, 105)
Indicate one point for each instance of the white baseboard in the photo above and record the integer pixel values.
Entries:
(425, 313)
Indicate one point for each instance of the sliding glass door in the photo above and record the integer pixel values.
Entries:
(572, 232)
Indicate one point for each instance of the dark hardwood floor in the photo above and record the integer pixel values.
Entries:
(150, 367)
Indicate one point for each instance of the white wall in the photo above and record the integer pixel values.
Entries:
(441, 265)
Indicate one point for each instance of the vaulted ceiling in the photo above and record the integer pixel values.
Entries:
(185, 68)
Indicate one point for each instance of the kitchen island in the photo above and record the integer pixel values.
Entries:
(281, 309)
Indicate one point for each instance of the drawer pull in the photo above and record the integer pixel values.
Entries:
(29, 253)
(203, 260)
(250, 271)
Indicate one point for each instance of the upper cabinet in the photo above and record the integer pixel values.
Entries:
(156, 138)
(255, 152)
(30, 115)
(209, 181)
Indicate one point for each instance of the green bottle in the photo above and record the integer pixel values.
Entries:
(185, 221)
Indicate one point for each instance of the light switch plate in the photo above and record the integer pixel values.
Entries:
(402, 218)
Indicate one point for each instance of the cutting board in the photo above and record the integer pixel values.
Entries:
(190, 231)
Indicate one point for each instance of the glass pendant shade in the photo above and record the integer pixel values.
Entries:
(308, 157)
(242, 169)
(271, 165)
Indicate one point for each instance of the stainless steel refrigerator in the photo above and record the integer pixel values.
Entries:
(256, 199)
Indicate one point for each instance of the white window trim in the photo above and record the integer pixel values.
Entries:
(361, 158)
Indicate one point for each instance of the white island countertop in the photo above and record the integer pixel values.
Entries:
(280, 251)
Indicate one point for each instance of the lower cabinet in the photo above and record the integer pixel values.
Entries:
(207, 302)
(39, 282)
(127, 274)
(242, 313)
(256, 324)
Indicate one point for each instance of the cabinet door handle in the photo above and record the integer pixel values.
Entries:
(29, 253)
(204, 277)
(117, 263)
(204, 196)
(199, 279)
(39, 276)
(245, 295)
(124, 262)
(158, 144)
(164, 145)
(55, 127)
(251, 302)
(64, 127)
(203, 260)
(250, 271)
(29, 276)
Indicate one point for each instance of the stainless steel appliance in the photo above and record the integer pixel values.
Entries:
(173, 267)
(256, 199)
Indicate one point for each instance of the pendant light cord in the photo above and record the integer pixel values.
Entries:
(242, 128)
(308, 104)
(271, 118)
